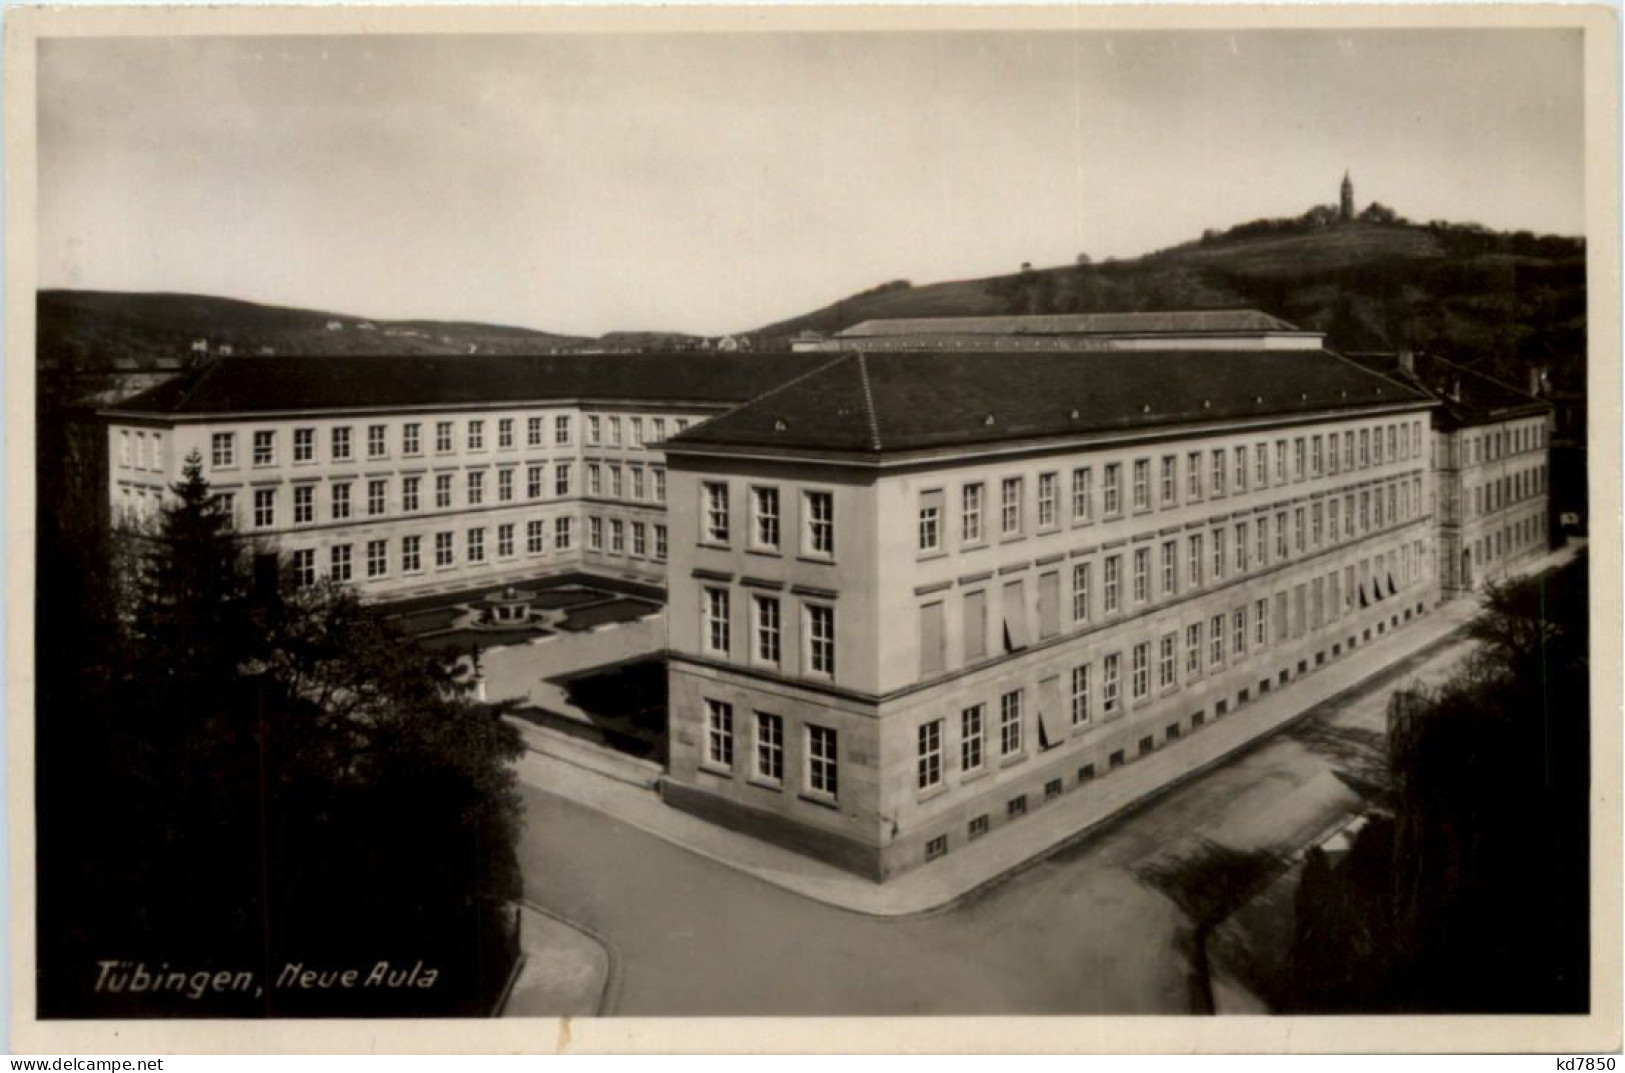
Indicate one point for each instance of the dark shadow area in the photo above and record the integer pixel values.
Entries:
(626, 703)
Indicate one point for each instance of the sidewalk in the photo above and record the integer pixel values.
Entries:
(566, 972)
(987, 860)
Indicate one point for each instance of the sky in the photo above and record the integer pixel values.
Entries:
(717, 182)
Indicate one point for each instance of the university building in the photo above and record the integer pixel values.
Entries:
(915, 596)
(917, 592)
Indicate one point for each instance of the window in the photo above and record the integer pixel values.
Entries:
(377, 497)
(1297, 459)
(930, 531)
(443, 554)
(1348, 451)
(765, 507)
(928, 765)
(1010, 723)
(1080, 694)
(1297, 530)
(264, 448)
(1110, 674)
(1197, 559)
(719, 733)
(595, 430)
(561, 478)
(595, 534)
(304, 568)
(617, 536)
(660, 542)
(476, 435)
(1215, 631)
(659, 434)
(1111, 489)
(223, 450)
(1193, 473)
(1241, 547)
(1193, 650)
(1332, 458)
(1083, 494)
(561, 430)
(1047, 485)
(977, 827)
(442, 491)
(377, 446)
(595, 479)
(411, 438)
(767, 630)
(1165, 661)
(1280, 535)
(304, 445)
(411, 554)
(563, 531)
(442, 437)
(533, 432)
(1016, 806)
(820, 531)
(1261, 622)
(1262, 546)
(614, 430)
(640, 539)
(1238, 638)
(1317, 456)
(339, 561)
(1170, 567)
(822, 769)
(975, 625)
(1080, 592)
(505, 433)
(716, 512)
(936, 847)
(659, 475)
(971, 513)
(970, 738)
(1142, 571)
(1142, 484)
(933, 639)
(304, 504)
(1170, 476)
(769, 747)
(636, 473)
(821, 639)
(1241, 468)
(615, 486)
(340, 443)
(1010, 506)
(714, 627)
(535, 537)
(1114, 566)
(409, 493)
(1141, 682)
(505, 540)
(341, 501)
(377, 558)
(1218, 555)
(1365, 447)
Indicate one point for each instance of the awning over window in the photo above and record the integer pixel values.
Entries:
(1052, 722)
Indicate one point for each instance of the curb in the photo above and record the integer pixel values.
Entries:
(610, 992)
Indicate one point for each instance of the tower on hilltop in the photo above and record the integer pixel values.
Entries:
(1346, 212)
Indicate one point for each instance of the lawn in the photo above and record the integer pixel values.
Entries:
(623, 609)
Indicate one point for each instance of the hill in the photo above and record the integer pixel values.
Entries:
(89, 332)
(1496, 301)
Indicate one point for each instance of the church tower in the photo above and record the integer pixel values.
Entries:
(1346, 213)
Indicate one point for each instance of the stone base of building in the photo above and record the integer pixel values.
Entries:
(779, 830)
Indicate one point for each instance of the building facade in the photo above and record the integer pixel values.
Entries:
(899, 621)
(412, 474)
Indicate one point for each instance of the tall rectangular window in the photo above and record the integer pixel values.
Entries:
(1170, 480)
(505, 540)
(1238, 638)
(476, 545)
(595, 533)
(1010, 506)
(377, 558)
(377, 444)
(819, 511)
(561, 478)
(476, 435)
(1261, 622)
(505, 433)
(765, 507)
(1082, 595)
(714, 628)
(535, 536)
(505, 486)
(975, 625)
(1010, 723)
(933, 640)
(1280, 536)
(1140, 683)
(411, 438)
(1193, 474)
(1110, 684)
(1193, 650)
(304, 567)
(411, 554)
(563, 533)
(1165, 661)
(767, 630)
(1113, 568)
(1215, 637)
(304, 504)
(1080, 694)
(617, 536)
(561, 430)
(442, 437)
(442, 491)
(822, 761)
(534, 432)
(476, 487)
(377, 497)
(1241, 547)
(971, 513)
(223, 450)
(930, 527)
(1261, 465)
(1241, 468)
(409, 493)
(1111, 490)
(715, 512)
(304, 445)
(1198, 560)
(821, 639)
(341, 443)
(928, 759)
(341, 501)
(595, 430)
(971, 732)
(1142, 575)
(264, 448)
(1047, 492)
(1218, 555)
(719, 733)
(1170, 567)
(769, 747)
(339, 561)
(1297, 459)
(1142, 484)
(1317, 456)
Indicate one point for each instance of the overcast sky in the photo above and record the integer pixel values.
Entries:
(714, 183)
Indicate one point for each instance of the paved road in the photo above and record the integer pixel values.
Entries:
(1078, 932)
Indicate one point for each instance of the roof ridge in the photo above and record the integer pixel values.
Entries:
(1416, 389)
(197, 383)
(1515, 389)
(869, 402)
(792, 382)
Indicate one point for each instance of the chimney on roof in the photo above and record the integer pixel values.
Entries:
(1407, 362)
